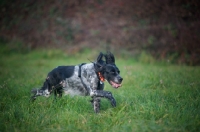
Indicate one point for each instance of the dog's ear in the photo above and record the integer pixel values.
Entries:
(100, 62)
(110, 59)
(99, 58)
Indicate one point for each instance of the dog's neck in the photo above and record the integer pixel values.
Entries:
(99, 73)
(102, 79)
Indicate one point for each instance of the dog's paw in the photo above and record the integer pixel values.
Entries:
(96, 105)
(113, 102)
(96, 110)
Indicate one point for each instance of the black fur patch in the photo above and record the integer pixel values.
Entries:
(60, 73)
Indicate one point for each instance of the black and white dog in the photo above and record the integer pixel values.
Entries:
(83, 79)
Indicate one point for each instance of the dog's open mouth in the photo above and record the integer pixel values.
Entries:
(115, 85)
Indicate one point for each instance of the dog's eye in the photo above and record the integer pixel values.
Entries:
(112, 72)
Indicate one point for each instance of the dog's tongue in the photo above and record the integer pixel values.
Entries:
(115, 85)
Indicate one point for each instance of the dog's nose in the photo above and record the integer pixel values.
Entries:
(120, 79)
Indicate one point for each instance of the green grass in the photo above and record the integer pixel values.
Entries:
(154, 97)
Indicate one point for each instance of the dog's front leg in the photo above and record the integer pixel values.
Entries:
(104, 94)
(96, 103)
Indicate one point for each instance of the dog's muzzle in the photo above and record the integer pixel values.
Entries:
(117, 83)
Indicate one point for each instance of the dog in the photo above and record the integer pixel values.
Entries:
(86, 79)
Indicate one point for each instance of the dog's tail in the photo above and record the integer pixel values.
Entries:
(35, 93)
(38, 92)
(43, 91)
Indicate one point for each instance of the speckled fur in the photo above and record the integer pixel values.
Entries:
(65, 79)
(74, 85)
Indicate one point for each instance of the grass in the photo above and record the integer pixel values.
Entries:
(154, 97)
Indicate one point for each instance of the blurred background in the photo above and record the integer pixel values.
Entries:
(166, 30)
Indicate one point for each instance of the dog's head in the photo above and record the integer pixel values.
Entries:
(108, 70)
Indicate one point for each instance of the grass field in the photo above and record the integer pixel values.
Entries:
(154, 97)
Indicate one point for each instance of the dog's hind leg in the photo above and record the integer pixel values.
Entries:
(58, 89)
(57, 92)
